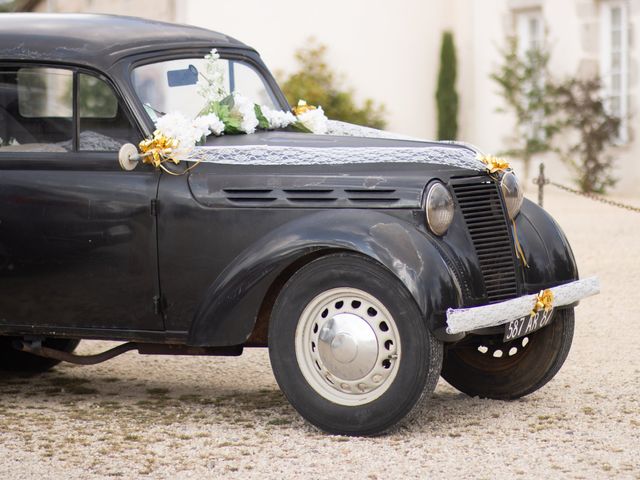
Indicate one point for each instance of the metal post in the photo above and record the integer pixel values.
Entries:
(541, 181)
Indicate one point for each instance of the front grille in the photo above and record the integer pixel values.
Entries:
(481, 206)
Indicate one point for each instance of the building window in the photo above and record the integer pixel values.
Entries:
(530, 31)
(614, 63)
(530, 37)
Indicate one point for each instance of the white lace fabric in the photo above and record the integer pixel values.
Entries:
(447, 155)
(277, 155)
(344, 129)
(467, 319)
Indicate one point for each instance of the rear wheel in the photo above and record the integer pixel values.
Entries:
(487, 367)
(12, 360)
(349, 347)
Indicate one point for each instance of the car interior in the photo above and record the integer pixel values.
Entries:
(36, 113)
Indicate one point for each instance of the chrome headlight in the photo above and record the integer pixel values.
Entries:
(512, 193)
(439, 208)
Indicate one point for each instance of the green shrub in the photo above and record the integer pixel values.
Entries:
(446, 95)
(318, 84)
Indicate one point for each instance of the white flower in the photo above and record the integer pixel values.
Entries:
(211, 81)
(200, 127)
(185, 131)
(315, 120)
(246, 109)
(188, 132)
(212, 122)
(277, 118)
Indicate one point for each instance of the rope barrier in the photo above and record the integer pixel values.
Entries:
(541, 181)
(597, 198)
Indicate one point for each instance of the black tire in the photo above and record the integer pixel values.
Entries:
(480, 374)
(419, 363)
(17, 362)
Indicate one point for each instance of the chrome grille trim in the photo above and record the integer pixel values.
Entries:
(486, 220)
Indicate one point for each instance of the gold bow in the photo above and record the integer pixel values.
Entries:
(302, 107)
(158, 149)
(544, 300)
(494, 164)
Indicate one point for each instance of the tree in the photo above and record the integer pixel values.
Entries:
(527, 89)
(317, 83)
(12, 5)
(582, 109)
(446, 95)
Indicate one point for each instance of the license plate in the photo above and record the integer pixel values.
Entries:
(527, 324)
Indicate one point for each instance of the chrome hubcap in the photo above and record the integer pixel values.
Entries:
(347, 346)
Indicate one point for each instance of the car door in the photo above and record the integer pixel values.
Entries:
(77, 234)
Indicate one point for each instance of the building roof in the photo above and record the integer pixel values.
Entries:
(97, 40)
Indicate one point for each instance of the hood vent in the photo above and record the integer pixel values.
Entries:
(250, 195)
(374, 195)
(309, 195)
(312, 197)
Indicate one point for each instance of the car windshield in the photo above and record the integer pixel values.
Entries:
(170, 86)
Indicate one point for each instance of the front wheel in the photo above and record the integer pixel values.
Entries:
(349, 347)
(484, 366)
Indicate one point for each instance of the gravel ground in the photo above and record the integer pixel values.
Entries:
(180, 417)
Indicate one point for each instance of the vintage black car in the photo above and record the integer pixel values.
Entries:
(369, 268)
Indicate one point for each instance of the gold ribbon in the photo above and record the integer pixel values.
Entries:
(494, 164)
(158, 149)
(519, 250)
(544, 300)
(302, 107)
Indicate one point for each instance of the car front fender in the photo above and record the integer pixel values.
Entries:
(228, 312)
(547, 250)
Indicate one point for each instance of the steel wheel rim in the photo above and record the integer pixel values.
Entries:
(347, 346)
(482, 352)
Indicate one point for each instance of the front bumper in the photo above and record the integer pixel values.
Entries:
(467, 319)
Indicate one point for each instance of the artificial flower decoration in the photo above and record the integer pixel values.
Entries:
(245, 110)
(158, 149)
(544, 301)
(311, 118)
(277, 118)
(211, 81)
(223, 113)
(302, 107)
(494, 164)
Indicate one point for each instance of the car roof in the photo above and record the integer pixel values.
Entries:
(97, 40)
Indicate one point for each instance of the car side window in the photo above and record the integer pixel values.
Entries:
(37, 112)
(104, 125)
(36, 109)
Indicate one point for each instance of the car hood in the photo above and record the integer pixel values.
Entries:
(285, 169)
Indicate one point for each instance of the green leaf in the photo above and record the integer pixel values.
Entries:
(263, 123)
(232, 125)
(299, 126)
(222, 111)
(228, 101)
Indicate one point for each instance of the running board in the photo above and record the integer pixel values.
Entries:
(36, 348)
